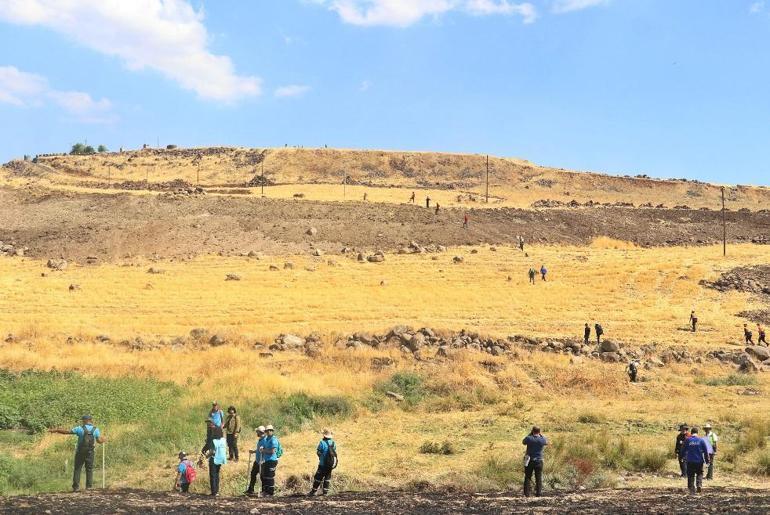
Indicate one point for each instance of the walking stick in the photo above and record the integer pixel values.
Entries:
(104, 450)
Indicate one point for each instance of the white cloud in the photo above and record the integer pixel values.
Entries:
(22, 89)
(757, 7)
(402, 13)
(365, 85)
(292, 90)
(167, 36)
(568, 6)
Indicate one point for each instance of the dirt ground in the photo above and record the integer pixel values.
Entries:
(113, 226)
(604, 501)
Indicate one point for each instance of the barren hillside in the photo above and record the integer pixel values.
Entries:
(512, 182)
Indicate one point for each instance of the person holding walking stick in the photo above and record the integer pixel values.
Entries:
(88, 436)
(257, 462)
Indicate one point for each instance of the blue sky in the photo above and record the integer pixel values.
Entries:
(662, 87)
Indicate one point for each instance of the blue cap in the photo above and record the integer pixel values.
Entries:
(86, 417)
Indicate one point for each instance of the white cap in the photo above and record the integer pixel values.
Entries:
(260, 429)
(269, 427)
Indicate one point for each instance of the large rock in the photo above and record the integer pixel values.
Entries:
(759, 352)
(376, 258)
(609, 346)
(416, 343)
(748, 365)
(57, 264)
(217, 340)
(312, 231)
(292, 341)
(610, 357)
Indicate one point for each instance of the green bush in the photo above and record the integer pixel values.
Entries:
(763, 464)
(407, 384)
(289, 413)
(731, 380)
(753, 435)
(445, 448)
(590, 418)
(504, 473)
(647, 460)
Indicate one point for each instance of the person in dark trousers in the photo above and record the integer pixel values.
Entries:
(695, 453)
(693, 321)
(411, 199)
(543, 272)
(427, 202)
(747, 334)
(365, 195)
(465, 221)
(88, 436)
(599, 331)
(437, 207)
(533, 461)
(532, 275)
(681, 438)
(711, 440)
(270, 451)
(586, 334)
(632, 370)
(257, 461)
(327, 461)
(761, 334)
(232, 430)
(182, 474)
(521, 243)
(216, 452)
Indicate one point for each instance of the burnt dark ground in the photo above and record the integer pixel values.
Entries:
(662, 501)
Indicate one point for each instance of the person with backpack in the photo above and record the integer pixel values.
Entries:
(632, 370)
(186, 473)
(747, 334)
(88, 436)
(695, 453)
(327, 461)
(532, 274)
(761, 335)
(599, 331)
(586, 334)
(232, 429)
(216, 452)
(533, 461)
(216, 415)
(270, 451)
(257, 461)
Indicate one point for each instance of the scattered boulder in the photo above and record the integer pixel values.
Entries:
(198, 333)
(312, 231)
(376, 258)
(395, 396)
(217, 340)
(609, 346)
(747, 365)
(232, 277)
(153, 270)
(317, 252)
(758, 352)
(273, 268)
(458, 259)
(57, 264)
(290, 341)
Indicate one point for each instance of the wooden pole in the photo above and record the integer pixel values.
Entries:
(487, 178)
(724, 225)
(104, 451)
(263, 177)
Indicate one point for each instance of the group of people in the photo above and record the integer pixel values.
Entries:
(533, 273)
(748, 336)
(598, 330)
(222, 443)
(693, 452)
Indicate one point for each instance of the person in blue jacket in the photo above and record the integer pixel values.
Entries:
(327, 461)
(269, 450)
(533, 461)
(695, 452)
(543, 272)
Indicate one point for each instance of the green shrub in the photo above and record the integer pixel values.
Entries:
(753, 435)
(647, 460)
(504, 473)
(731, 380)
(289, 413)
(407, 384)
(590, 418)
(445, 448)
(763, 464)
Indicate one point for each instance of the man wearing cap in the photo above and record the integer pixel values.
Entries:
(327, 461)
(87, 435)
(216, 415)
(270, 450)
(711, 441)
(695, 453)
(533, 461)
(257, 461)
(681, 438)
(181, 477)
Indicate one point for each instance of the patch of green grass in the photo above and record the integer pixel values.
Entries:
(731, 380)
(291, 412)
(446, 448)
(763, 464)
(407, 384)
(590, 418)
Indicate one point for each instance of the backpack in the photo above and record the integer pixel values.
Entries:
(279, 450)
(599, 329)
(189, 472)
(332, 453)
(88, 442)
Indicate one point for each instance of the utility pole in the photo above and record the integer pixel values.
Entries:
(344, 186)
(487, 178)
(724, 225)
(263, 177)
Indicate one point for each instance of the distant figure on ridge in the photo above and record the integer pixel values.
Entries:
(747, 335)
(586, 334)
(427, 202)
(465, 221)
(365, 195)
(693, 320)
(411, 199)
(598, 331)
(532, 275)
(632, 370)
(437, 206)
(761, 334)
(543, 272)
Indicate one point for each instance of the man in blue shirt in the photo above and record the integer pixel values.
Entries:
(216, 415)
(257, 461)
(88, 435)
(695, 452)
(270, 450)
(327, 461)
(533, 461)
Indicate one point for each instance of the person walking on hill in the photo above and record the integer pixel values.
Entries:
(216, 415)
(532, 275)
(257, 461)
(88, 436)
(586, 334)
(185, 473)
(598, 331)
(543, 271)
(327, 461)
(216, 452)
(411, 199)
(465, 221)
(681, 438)
(695, 453)
(761, 334)
(427, 202)
(747, 334)
(711, 440)
(270, 450)
(232, 430)
(533, 461)
(521, 243)
(693, 320)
